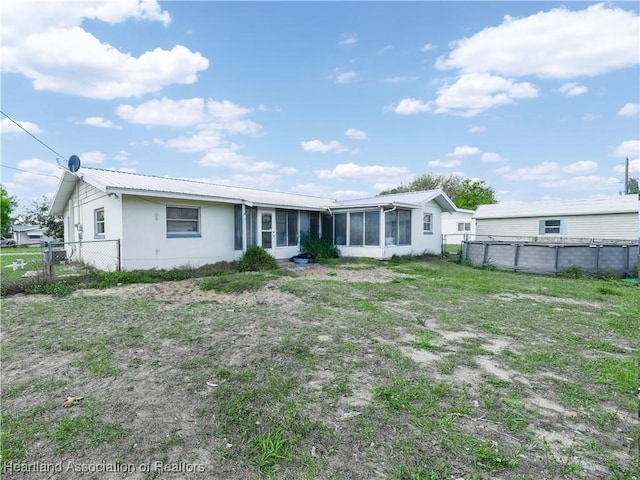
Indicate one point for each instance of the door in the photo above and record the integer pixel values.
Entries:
(267, 232)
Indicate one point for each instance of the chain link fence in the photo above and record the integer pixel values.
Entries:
(64, 257)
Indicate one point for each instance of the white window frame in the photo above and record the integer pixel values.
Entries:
(464, 226)
(185, 233)
(98, 224)
(552, 229)
(427, 224)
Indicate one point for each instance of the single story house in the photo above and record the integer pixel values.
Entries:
(159, 222)
(30, 234)
(458, 225)
(591, 219)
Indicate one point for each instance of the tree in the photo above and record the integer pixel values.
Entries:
(632, 186)
(473, 193)
(38, 214)
(463, 192)
(7, 205)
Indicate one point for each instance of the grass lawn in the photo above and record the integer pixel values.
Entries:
(416, 369)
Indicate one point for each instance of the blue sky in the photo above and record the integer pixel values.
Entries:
(343, 100)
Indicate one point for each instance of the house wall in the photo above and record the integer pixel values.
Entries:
(614, 226)
(82, 243)
(145, 244)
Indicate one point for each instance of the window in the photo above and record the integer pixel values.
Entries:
(464, 226)
(326, 221)
(427, 223)
(237, 227)
(551, 227)
(340, 229)
(309, 224)
(372, 228)
(286, 228)
(397, 226)
(356, 228)
(251, 214)
(183, 222)
(98, 220)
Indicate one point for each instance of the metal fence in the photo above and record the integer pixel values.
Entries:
(554, 258)
(101, 254)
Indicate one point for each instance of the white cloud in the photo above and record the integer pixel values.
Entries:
(317, 146)
(92, 157)
(345, 77)
(629, 148)
(630, 110)
(385, 49)
(38, 172)
(166, 112)
(589, 183)
(374, 173)
(7, 126)
(559, 43)
(590, 117)
(464, 151)
(551, 171)
(226, 110)
(427, 47)
(100, 123)
(348, 39)
(401, 79)
(473, 93)
(572, 89)
(48, 45)
(491, 157)
(411, 106)
(288, 171)
(477, 129)
(356, 134)
(442, 164)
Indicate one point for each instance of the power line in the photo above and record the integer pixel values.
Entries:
(27, 171)
(31, 134)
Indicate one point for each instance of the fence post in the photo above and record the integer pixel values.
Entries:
(515, 260)
(486, 253)
(598, 260)
(555, 266)
(118, 254)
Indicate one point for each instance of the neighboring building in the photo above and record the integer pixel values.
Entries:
(30, 234)
(166, 222)
(458, 226)
(608, 219)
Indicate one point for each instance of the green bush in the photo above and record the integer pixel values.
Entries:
(256, 259)
(320, 248)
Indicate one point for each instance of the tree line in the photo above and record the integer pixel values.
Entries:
(36, 214)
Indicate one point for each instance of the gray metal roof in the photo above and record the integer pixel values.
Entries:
(112, 181)
(557, 208)
(409, 199)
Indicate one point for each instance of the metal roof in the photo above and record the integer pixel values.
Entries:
(558, 208)
(112, 181)
(409, 199)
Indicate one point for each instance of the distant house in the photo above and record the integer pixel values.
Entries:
(161, 222)
(610, 219)
(458, 225)
(30, 234)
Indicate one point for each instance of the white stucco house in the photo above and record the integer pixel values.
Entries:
(163, 222)
(30, 234)
(592, 219)
(458, 225)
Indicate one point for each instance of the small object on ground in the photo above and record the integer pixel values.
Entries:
(71, 401)
(303, 258)
(211, 384)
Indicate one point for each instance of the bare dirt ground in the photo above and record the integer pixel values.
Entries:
(163, 402)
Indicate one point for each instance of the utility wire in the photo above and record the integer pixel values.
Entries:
(27, 171)
(32, 135)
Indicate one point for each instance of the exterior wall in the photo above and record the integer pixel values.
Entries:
(450, 222)
(619, 226)
(553, 258)
(82, 242)
(145, 244)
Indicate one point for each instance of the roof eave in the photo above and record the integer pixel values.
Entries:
(66, 186)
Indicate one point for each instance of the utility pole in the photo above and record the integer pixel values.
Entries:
(626, 177)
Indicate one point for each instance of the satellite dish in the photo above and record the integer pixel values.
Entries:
(74, 163)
